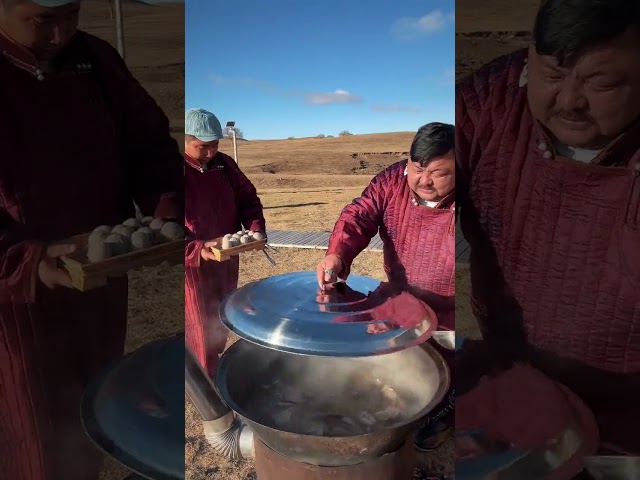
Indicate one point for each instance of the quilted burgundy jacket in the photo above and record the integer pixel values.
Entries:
(419, 242)
(555, 243)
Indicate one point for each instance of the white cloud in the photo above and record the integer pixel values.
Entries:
(394, 108)
(409, 28)
(313, 98)
(337, 97)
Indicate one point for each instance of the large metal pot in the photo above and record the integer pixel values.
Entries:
(417, 375)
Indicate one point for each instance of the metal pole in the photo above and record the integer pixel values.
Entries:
(120, 28)
(235, 145)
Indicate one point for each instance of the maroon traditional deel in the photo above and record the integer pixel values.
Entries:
(555, 243)
(79, 146)
(419, 242)
(219, 200)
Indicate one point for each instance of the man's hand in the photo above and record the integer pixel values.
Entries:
(329, 269)
(206, 252)
(48, 271)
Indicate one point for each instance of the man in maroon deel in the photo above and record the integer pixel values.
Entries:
(220, 199)
(548, 151)
(412, 205)
(82, 141)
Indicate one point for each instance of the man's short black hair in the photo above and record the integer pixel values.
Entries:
(564, 29)
(432, 140)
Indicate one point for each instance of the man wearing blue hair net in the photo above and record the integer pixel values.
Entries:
(81, 142)
(43, 26)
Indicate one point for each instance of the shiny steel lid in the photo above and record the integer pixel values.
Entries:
(356, 318)
(134, 411)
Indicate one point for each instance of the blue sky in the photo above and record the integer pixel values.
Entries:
(299, 68)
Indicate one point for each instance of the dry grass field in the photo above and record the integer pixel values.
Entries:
(303, 183)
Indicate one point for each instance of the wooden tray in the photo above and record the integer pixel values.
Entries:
(224, 255)
(87, 276)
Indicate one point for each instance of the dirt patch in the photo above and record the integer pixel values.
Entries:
(472, 51)
(303, 181)
(370, 164)
(495, 16)
(306, 209)
(487, 29)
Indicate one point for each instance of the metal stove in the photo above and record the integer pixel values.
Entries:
(324, 383)
(397, 465)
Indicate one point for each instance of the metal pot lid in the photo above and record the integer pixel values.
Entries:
(356, 318)
(134, 412)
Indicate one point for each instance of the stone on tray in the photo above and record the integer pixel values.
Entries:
(141, 240)
(132, 222)
(123, 230)
(97, 237)
(117, 244)
(156, 224)
(171, 231)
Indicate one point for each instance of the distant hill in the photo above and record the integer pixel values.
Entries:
(355, 154)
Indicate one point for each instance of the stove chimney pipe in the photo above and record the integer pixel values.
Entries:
(224, 432)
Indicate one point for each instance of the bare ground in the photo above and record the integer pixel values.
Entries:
(486, 29)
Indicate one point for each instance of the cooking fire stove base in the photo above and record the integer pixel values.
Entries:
(398, 465)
